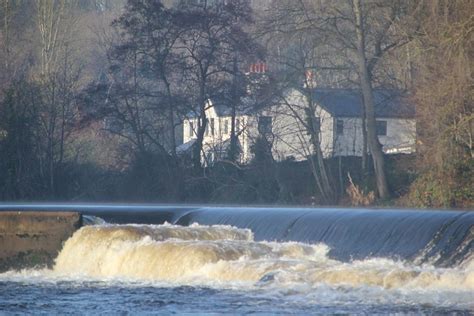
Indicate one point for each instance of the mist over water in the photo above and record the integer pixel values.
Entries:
(248, 260)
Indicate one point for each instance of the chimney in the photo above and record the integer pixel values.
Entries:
(310, 80)
(258, 68)
(256, 76)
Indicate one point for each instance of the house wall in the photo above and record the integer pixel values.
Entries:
(186, 130)
(400, 137)
(213, 142)
(291, 139)
(350, 143)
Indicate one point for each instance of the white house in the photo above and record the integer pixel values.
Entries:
(216, 140)
(338, 113)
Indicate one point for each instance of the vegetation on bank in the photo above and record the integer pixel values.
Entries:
(92, 94)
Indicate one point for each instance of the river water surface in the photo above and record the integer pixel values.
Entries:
(309, 262)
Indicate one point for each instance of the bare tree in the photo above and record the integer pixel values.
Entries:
(212, 35)
(367, 92)
(352, 40)
(58, 74)
(303, 112)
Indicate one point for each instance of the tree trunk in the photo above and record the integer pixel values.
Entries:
(319, 169)
(6, 35)
(179, 183)
(366, 85)
(233, 150)
(201, 129)
(364, 140)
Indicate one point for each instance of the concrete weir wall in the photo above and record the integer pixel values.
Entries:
(33, 239)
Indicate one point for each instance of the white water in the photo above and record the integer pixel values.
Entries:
(227, 257)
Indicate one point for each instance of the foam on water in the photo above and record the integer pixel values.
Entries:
(226, 258)
(223, 254)
(277, 261)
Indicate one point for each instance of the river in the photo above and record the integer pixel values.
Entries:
(196, 259)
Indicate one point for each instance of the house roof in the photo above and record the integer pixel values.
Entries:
(349, 102)
(223, 107)
(338, 102)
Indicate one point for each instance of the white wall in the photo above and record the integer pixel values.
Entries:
(400, 138)
(350, 142)
(186, 130)
(290, 133)
(212, 142)
(290, 138)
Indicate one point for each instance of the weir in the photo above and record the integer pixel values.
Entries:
(442, 238)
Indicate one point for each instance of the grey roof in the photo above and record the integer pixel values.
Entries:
(223, 107)
(338, 102)
(349, 102)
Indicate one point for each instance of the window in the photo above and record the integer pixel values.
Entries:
(191, 129)
(212, 126)
(237, 125)
(207, 127)
(226, 127)
(381, 128)
(339, 127)
(265, 125)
